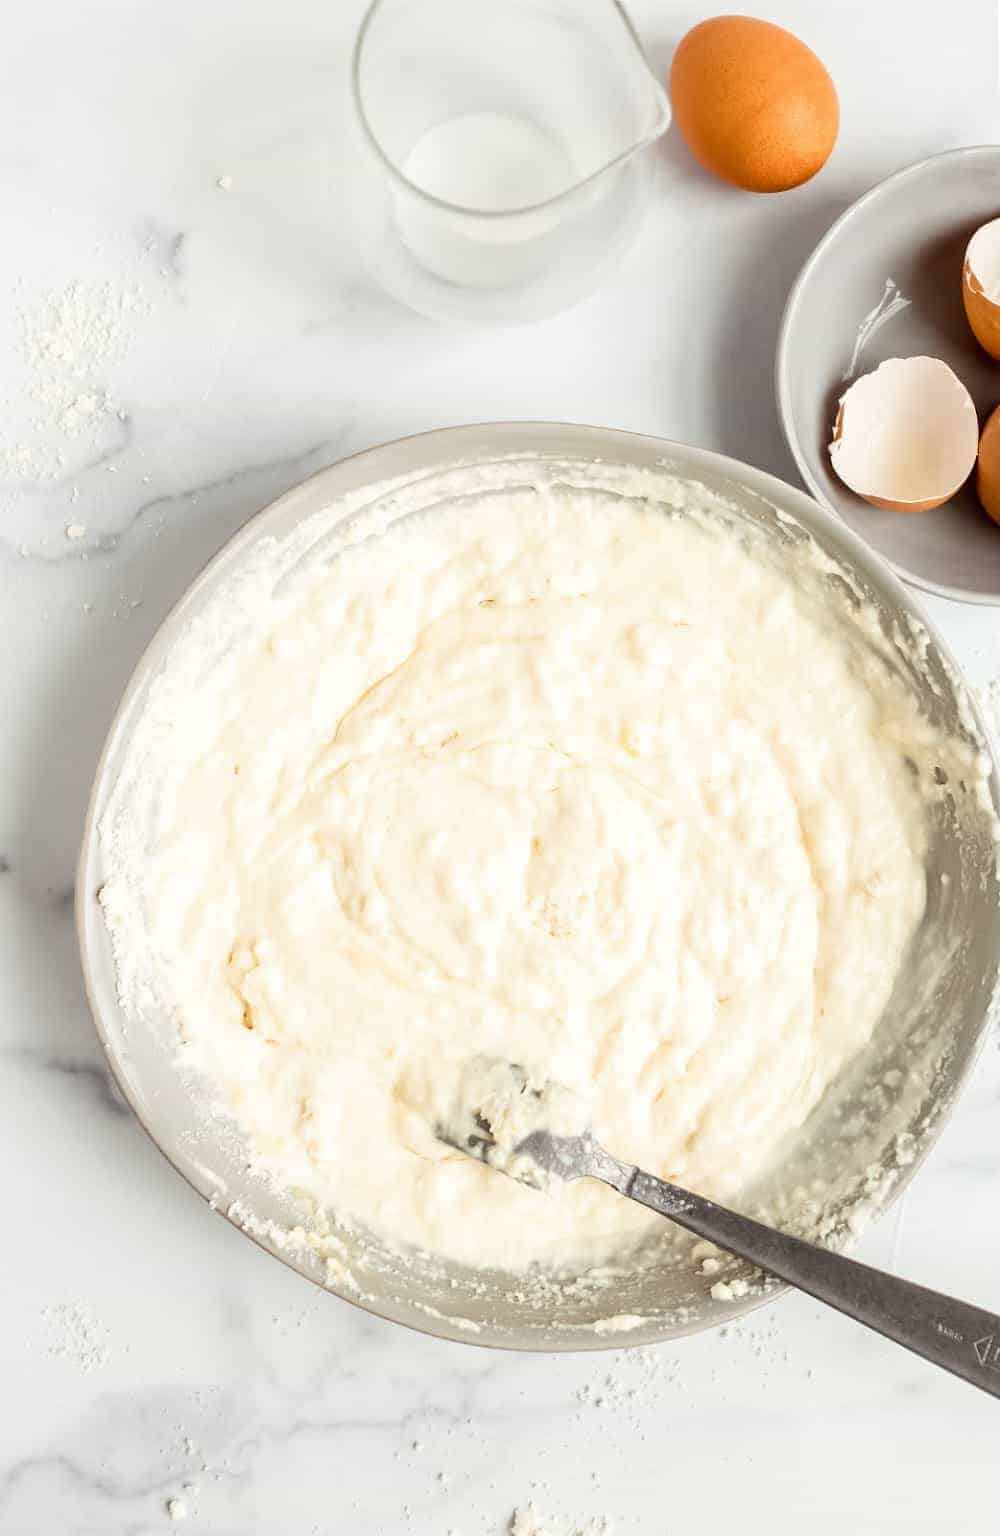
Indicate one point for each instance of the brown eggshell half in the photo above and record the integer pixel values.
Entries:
(918, 407)
(880, 501)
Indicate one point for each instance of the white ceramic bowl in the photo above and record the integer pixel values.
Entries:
(929, 1035)
(909, 231)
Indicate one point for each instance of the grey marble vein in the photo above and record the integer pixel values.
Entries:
(95, 1076)
(66, 1476)
(235, 477)
(122, 434)
(57, 898)
(103, 544)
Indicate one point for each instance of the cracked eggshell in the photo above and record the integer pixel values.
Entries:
(906, 435)
(981, 286)
(988, 467)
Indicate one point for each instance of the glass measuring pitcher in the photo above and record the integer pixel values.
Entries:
(498, 157)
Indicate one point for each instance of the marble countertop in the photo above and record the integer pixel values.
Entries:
(186, 331)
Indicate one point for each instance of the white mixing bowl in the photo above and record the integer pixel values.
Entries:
(852, 1144)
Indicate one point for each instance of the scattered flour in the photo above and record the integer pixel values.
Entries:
(528, 1522)
(72, 330)
(75, 1334)
(66, 340)
(177, 1509)
(635, 1390)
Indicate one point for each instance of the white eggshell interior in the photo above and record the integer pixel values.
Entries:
(983, 256)
(908, 432)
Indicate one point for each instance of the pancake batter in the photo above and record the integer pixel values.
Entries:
(551, 777)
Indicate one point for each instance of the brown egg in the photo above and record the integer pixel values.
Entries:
(754, 105)
(988, 467)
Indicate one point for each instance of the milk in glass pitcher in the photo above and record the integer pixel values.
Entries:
(500, 163)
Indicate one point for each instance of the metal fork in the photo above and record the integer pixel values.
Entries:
(506, 1127)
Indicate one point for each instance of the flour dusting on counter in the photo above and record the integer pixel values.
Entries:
(76, 1335)
(528, 1522)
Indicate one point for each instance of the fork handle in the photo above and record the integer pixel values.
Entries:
(960, 1338)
